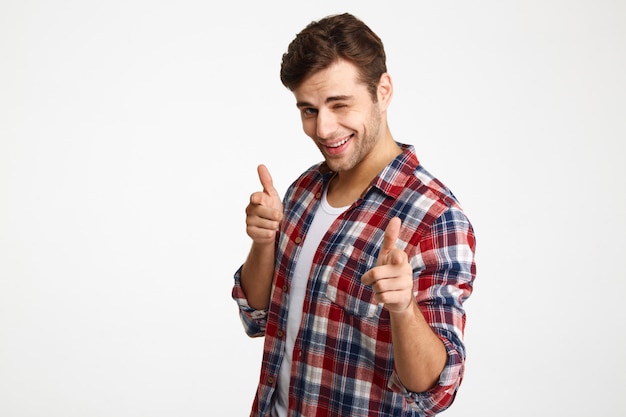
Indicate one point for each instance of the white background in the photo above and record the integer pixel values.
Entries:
(129, 136)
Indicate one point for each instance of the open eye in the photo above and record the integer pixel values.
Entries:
(308, 111)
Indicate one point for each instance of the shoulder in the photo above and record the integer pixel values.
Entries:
(431, 186)
(425, 202)
(309, 181)
(307, 177)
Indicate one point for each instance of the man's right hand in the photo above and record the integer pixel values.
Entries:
(265, 211)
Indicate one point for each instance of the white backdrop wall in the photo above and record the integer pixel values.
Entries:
(129, 136)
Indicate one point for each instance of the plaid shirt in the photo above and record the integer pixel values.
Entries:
(343, 361)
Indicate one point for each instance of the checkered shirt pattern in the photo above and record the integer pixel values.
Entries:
(343, 361)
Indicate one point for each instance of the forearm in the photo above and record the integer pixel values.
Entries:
(419, 353)
(256, 275)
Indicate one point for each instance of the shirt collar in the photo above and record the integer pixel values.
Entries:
(392, 179)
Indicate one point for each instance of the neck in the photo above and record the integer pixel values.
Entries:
(347, 186)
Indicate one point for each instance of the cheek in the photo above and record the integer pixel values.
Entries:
(309, 127)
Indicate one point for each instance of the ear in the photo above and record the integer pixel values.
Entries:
(385, 91)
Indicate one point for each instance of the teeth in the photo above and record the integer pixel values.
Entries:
(338, 144)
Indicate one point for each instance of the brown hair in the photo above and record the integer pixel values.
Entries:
(323, 42)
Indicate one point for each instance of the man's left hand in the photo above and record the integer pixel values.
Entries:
(392, 277)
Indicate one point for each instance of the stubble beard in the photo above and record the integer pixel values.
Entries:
(362, 145)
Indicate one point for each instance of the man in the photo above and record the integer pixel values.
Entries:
(357, 277)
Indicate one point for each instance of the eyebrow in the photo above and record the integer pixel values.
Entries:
(301, 104)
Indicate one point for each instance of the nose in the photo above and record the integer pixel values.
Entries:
(326, 124)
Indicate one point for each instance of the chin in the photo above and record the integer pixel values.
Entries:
(339, 166)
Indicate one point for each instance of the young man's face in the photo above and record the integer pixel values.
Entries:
(338, 113)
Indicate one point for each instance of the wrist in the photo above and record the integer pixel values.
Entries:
(408, 312)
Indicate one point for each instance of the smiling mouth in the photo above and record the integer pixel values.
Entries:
(340, 143)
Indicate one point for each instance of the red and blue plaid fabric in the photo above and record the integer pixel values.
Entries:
(343, 361)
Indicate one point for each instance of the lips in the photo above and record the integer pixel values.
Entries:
(339, 146)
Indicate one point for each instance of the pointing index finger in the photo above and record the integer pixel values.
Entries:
(391, 234)
(266, 180)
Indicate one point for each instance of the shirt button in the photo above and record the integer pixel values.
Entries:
(279, 333)
(285, 288)
(270, 380)
(318, 195)
(298, 240)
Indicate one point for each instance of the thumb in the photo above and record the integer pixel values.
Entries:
(389, 239)
(266, 180)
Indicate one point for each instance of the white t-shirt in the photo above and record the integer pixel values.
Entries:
(323, 219)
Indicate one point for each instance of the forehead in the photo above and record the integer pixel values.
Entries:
(339, 79)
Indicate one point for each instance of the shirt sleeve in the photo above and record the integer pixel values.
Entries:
(445, 270)
(254, 321)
